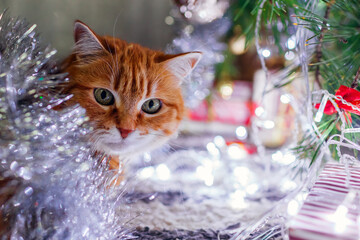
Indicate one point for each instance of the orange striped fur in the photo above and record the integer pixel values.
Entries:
(133, 74)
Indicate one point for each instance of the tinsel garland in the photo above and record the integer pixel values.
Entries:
(51, 186)
(206, 39)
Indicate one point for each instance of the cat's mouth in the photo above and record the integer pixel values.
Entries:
(114, 146)
(113, 143)
(113, 138)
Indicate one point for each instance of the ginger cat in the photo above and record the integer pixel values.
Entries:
(131, 94)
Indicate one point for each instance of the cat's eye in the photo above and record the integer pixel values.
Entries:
(151, 106)
(104, 96)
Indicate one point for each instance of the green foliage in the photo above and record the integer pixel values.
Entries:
(339, 32)
(226, 69)
(310, 145)
(335, 27)
(244, 13)
(340, 44)
(273, 13)
(340, 55)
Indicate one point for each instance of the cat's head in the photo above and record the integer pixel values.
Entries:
(131, 94)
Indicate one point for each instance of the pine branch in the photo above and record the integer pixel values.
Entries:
(318, 47)
(356, 79)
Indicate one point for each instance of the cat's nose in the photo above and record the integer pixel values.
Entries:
(124, 132)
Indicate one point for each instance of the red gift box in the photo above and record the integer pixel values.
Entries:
(236, 109)
(326, 213)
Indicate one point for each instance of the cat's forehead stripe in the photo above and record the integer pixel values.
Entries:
(118, 72)
(152, 90)
(148, 88)
(132, 71)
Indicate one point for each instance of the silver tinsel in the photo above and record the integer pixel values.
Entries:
(50, 185)
(206, 39)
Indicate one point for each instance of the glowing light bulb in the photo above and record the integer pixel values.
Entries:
(226, 91)
(277, 156)
(147, 157)
(259, 111)
(235, 152)
(169, 20)
(219, 141)
(146, 172)
(289, 55)
(242, 174)
(318, 116)
(203, 14)
(288, 185)
(266, 53)
(241, 132)
(189, 29)
(291, 43)
(163, 172)
(237, 200)
(183, 9)
(288, 158)
(237, 46)
(341, 211)
(188, 14)
(28, 191)
(205, 174)
(293, 208)
(213, 150)
(341, 221)
(268, 124)
(285, 98)
(252, 188)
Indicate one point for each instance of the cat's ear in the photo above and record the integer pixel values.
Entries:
(181, 65)
(87, 42)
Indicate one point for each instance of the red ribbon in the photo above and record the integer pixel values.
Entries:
(350, 95)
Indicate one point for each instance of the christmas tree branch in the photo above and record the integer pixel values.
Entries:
(318, 47)
(356, 79)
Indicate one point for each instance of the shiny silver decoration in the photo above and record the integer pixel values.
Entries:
(54, 187)
(203, 11)
(206, 39)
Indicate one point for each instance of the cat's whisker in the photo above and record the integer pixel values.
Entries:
(116, 61)
(114, 27)
(97, 137)
(157, 134)
(113, 74)
(175, 146)
(115, 49)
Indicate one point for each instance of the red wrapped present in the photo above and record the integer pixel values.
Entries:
(331, 209)
(236, 108)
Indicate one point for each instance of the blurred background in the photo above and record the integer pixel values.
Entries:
(252, 130)
(228, 77)
(140, 21)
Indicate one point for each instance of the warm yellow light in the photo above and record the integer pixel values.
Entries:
(237, 45)
(226, 91)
